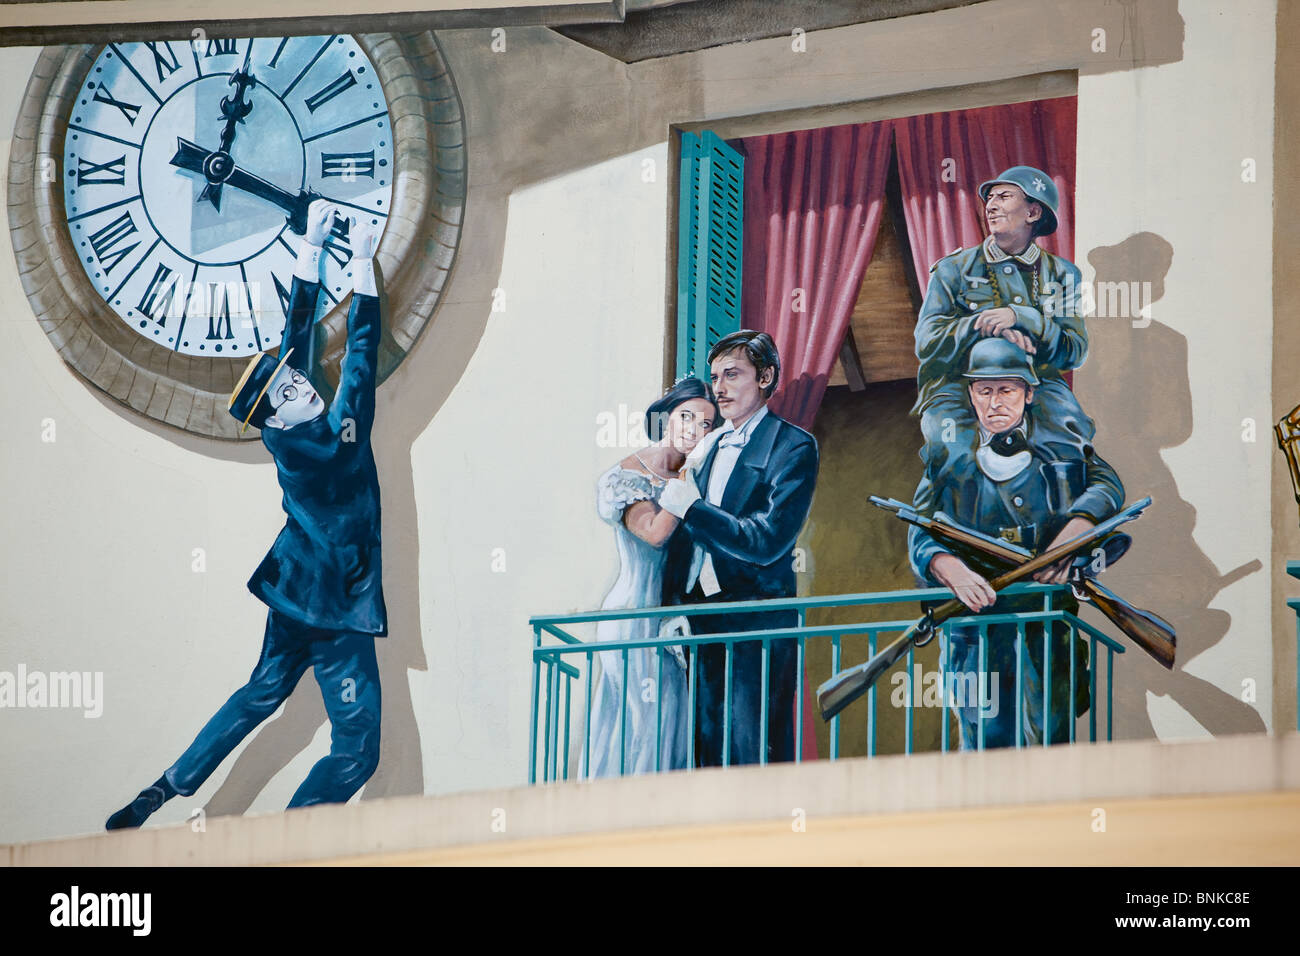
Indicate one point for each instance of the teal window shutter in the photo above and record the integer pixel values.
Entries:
(708, 248)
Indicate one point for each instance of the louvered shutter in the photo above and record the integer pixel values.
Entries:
(708, 249)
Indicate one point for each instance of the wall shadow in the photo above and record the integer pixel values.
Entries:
(1166, 571)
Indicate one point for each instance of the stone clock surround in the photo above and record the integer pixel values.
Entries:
(190, 392)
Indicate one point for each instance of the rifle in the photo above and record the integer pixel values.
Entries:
(850, 684)
(1146, 629)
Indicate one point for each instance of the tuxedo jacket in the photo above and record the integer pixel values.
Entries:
(752, 533)
(324, 568)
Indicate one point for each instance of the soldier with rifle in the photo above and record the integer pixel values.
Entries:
(1022, 486)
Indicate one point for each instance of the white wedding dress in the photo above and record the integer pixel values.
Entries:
(639, 585)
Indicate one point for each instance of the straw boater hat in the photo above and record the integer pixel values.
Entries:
(251, 390)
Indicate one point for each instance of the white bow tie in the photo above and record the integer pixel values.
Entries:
(736, 438)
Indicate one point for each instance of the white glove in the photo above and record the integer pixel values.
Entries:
(678, 626)
(679, 494)
(320, 219)
(365, 240)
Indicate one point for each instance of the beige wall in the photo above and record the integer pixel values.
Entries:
(487, 434)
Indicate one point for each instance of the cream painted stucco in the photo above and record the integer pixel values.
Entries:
(507, 512)
(499, 410)
(1161, 149)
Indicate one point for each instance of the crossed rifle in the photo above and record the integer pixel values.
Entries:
(1147, 630)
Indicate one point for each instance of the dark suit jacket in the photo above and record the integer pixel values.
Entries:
(751, 535)
(324, 569)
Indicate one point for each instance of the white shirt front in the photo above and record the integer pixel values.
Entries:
(731, 441)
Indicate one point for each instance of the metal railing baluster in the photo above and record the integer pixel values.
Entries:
(659, 708)
(1110, 692)
(1020, 692)
(586, 729)
(568, 692)
(622, 721)
(1092, 690)
(1073, 718)
(912, 691)
(726, 708)
(985, 680)
(546, 734)
(1047, 684)
(763, 714)
(693, 670)
(871, 698)
(945, 643)
(835, 721)
(799, 690)
(554, 719)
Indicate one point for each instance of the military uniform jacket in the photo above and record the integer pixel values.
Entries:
(1025, 509)
(324, 568)
(964, 284)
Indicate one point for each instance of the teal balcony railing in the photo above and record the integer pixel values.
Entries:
(560, 659)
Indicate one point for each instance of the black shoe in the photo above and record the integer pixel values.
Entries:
(138, 810)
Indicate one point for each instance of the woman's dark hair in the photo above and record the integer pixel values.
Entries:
(656, 416)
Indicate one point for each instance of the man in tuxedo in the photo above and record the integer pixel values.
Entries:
(740, 517)
(321, 580)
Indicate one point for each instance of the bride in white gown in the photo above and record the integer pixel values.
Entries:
(627, 497)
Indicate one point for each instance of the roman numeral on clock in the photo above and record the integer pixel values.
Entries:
(129, 110)
(220, 312)
(165, 65)
(221, 47)
(108, 241)
(337, 249)
(348, 165)
(278, 50)
(111, 173)
(329, 91)
(157, 299)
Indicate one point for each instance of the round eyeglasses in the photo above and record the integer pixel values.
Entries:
(290, 392)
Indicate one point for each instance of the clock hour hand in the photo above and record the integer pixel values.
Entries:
(217, 167)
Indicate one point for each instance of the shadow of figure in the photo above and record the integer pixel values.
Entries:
(1166, 570)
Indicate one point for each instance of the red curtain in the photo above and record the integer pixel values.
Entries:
(813, 201)
(943, 157)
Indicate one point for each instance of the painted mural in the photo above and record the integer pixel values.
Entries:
(858, 506)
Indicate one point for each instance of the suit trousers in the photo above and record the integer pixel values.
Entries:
(348, 675)
(746, 687)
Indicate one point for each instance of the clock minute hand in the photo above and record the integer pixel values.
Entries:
(233, 109)
(218, 166)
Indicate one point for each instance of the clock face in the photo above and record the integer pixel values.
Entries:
(178, 211)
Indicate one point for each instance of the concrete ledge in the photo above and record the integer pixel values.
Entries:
(1083, 774)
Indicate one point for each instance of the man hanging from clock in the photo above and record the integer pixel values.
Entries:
(321, 578)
